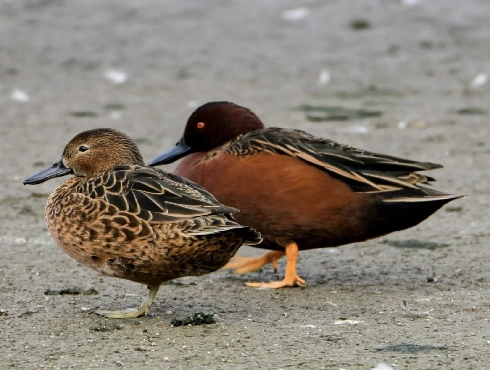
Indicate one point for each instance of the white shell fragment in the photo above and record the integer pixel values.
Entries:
(116, 76)
(324, 77)
(382, 367)
(20, 96)
(479, 80)
(411, 2)
(351, 322)
(295, 14)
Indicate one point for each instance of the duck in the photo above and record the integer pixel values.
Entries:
(134, 222)
(300, 191)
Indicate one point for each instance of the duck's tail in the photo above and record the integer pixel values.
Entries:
(405, 208)
(251, 236)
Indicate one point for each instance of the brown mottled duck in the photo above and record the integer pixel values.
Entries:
(134, 222)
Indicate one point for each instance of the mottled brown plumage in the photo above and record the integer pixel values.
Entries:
(300, 191)
(135, 222)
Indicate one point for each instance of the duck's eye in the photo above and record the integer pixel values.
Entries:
(201, 125)
(83, 148)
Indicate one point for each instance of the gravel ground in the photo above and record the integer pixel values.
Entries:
(417, 69)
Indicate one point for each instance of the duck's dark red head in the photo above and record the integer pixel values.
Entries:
(210, 126)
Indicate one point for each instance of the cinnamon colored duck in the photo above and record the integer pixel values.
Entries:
(301, 192)
(134, 222)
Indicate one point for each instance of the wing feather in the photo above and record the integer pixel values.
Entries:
(362, 170)
(155, 195)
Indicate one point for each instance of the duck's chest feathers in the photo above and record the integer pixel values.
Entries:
(92, 231)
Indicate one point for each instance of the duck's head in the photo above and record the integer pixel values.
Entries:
(91, 152)
(210, 126)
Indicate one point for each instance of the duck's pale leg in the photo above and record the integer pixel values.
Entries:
(142, 310)
(242, 265)
(290, 278)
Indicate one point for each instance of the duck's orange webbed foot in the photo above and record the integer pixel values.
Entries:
(286, 282)
(243, 265)
(291, 278)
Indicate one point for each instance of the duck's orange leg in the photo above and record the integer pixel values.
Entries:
(242, 265)
(290, 278)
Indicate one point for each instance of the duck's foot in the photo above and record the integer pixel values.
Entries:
(243, 265)
(286, 282)
(142, 310)
(291, 278)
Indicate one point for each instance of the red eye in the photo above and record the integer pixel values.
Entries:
(201, 125)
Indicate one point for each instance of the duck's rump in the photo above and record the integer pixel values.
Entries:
(376, 217)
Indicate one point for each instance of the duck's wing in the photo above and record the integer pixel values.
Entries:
(364, 171)
(155, 195)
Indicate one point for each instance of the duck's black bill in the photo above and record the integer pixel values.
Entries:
(181, 149)
(56, 170)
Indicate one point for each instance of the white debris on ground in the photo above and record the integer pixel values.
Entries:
(351, 322)
(20, 96)
(382, 367)
(479, 80)
(116, 76)
(324, 77)
(295, 14)
(411, 2)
